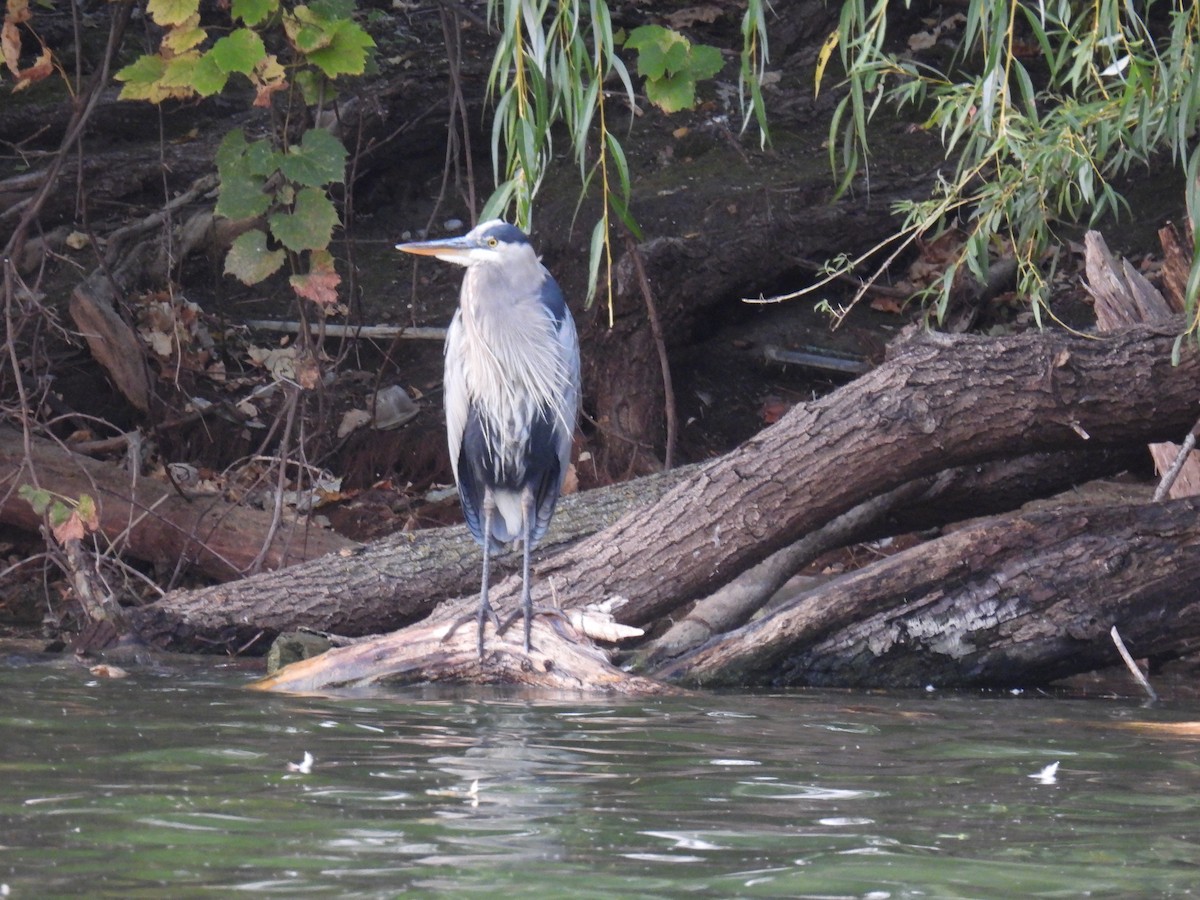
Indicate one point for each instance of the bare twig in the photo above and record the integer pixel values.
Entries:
(281, 481)
(26, 413)
(1138, 676)
(1181, 458)
(368, 332)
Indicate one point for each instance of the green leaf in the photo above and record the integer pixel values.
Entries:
(185, 36)
(238, 51)
(88, 512)
(256, 158)
(208, 78)
(625, 215)
(243, 168)
(617, 152)
(141, 79)
(309, 225)
(172, 12)
(318, 160)
(59, 513)
(704, 62)
(249, 260)
(595, 255)
(253, 12)
(653, 42)
(38, 498)
(192, 73)
(345, 52)
(672, 93)
(311, 84)
(241, 197)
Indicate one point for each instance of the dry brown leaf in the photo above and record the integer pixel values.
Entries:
(684, 18)
(308, 373)
(10, 46)
(887, 305)
(70, 530)
(319, 286)
(17, 11)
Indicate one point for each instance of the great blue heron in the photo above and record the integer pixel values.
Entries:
(511, 393)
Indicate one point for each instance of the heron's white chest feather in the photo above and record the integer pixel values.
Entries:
(512, 359)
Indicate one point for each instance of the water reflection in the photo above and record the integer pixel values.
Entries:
(175, 785)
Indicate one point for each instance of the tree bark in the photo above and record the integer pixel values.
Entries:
(1122, 296)
(951, 496)
(1013, 601)
(939, 402)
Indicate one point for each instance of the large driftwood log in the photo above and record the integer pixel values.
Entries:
(1015, 600)
(400, 579)
(384, 585)
(436, 652)
(938, 402)
(965, 492)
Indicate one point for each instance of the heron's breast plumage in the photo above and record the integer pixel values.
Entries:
(512, 394)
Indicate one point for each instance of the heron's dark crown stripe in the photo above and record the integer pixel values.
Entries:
(509, 234)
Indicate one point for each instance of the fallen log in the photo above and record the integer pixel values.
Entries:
(938, 401)
(1016, 600)
(435, 653)
(950, 496)
(147, 519)
(371, 588)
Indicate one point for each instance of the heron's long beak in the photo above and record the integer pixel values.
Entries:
(455, 249)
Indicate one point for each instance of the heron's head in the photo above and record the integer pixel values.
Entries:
(494, 242)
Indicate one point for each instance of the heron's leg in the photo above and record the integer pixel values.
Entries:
(526, 532)
(485, 608)
(526, 611)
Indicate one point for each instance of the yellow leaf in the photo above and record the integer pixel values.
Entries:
(823, 57)
(184, 36)
(172, 12)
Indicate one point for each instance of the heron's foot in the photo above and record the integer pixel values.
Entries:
(558, 618)
(485, 614)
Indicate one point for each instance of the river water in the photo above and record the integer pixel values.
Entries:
(177, 784)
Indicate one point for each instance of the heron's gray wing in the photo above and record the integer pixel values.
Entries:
(553, 430)
(454, 389)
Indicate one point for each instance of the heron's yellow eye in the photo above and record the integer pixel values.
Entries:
(492, 242)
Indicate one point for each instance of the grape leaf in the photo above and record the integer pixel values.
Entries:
(249, 260)
(321, 283)
(318, 159)
(172, 12)
(345, 51)
(239, 51)
(253, 12)
(38, 498)
(309, 225)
